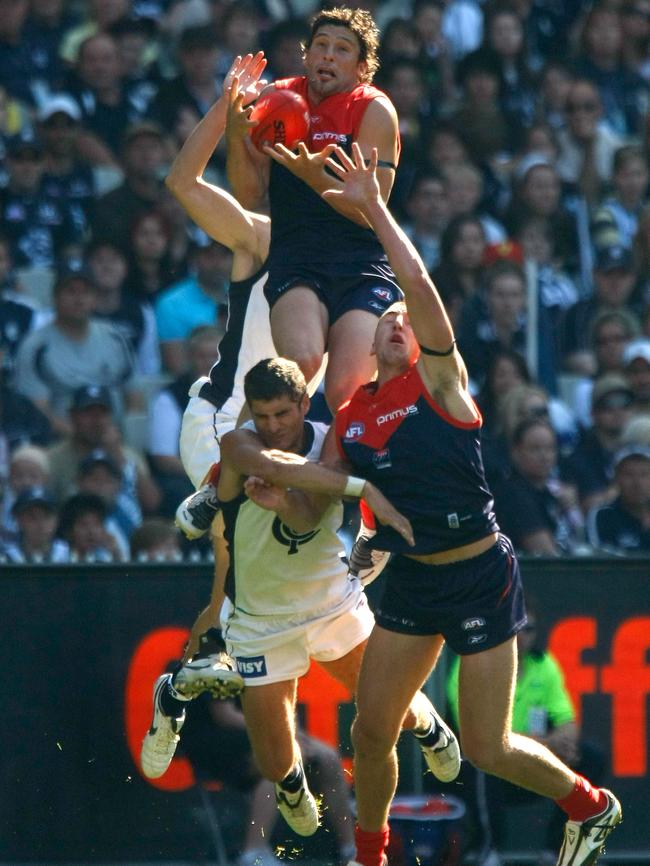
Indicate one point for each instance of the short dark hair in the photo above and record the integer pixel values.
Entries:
(275, 377)
(521, 430)
(361, 23)
(500, 269)
(77, 506)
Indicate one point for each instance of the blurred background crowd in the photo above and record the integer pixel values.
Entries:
(523, 182)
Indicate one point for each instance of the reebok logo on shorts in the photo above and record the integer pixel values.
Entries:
(251, 666)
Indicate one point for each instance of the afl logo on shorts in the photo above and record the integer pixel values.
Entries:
(289, 538)
(472, 622)
(384, 294)
(355, 431)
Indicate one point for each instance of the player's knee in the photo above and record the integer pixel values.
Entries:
(309, 362)
(484, 754)
(371, 739)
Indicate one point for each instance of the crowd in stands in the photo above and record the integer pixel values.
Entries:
(524, 182)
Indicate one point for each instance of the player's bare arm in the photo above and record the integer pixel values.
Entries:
(214, 210)
(441, 367)
(301, 511)
(242, 455)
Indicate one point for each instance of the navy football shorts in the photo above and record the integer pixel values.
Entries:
(341, 287)
(474, 604)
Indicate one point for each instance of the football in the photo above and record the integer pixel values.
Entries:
(283, 118)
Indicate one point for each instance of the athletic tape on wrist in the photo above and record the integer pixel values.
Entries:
(354, 486)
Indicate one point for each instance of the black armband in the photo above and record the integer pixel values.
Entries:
(382, 163)
(437, 354)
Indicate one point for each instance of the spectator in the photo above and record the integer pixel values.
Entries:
(458, 275)
(462, 26)
(464, 189)
(614, 279)
(67, 176)
(500, 325)
(99, 474)
(616, 220)
(151, 267)
(610, 331)
(92, 427)
(74, 350)
(404, 81)
(504, 39)
(553, 92)
(136, 45)
(100, 16)
(541, 138)
(240, 33)
(445, 145)
(156, 540)
(428, 20)
(36, 517)
(590, 467)
(506, 368)
(82, 524)
(587, 145)
(46, 24)
(537, 192)
(144, 157)
(107, 109)
(20, 422)
(15, 120)
(41, 229)
(543, 710)
(641, 253)
(134, 319)
(635, 30)
(18, 315)
(427, 211)
(283, 48)
(636, 362)
(624, 93)
(200, 299)
(624, 525)
(195, 86)
(20, 68)
(29, 467)
(539, 513)
(166, 413)
(485, 127)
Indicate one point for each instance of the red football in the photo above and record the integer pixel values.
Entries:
(283, 118)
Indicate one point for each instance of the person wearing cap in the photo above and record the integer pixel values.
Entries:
(40, 228)
(99, 474)
(74, 350)
(590, 467)
(35, 513)
(144, 157)
(83, 525)
(68, 175)
(28, 467)
(623, 526)
(614, 278)
(617, 217)
(93, 427)
(636, 363)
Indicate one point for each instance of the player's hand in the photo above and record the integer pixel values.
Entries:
(309, 167)
(360, 185)
(238, 120)
(247, 70)
(386, 513)
(265, 495)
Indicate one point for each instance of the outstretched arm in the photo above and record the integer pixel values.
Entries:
(427, 313)
(212, 208)
(242, 455)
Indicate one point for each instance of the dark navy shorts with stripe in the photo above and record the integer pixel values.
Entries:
(341, 288)
(474, 604)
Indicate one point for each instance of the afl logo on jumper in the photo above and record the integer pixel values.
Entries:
(472, 622)
(289, 538)
(355, 431)
(384, 294)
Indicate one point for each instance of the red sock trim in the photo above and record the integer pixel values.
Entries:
(371, 845)
(213, 474)
(367, 515)
(584, 801)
